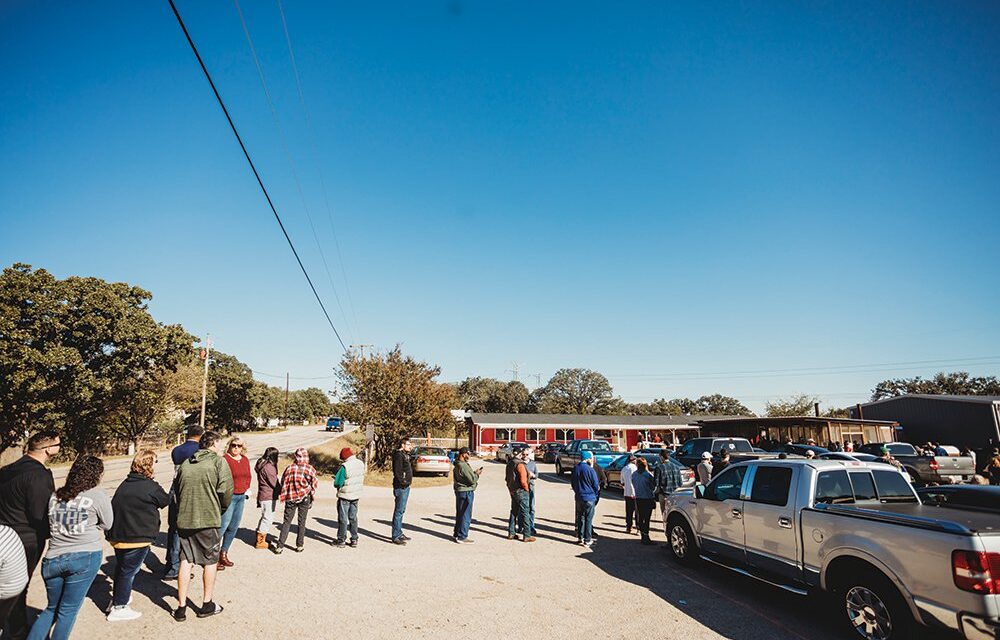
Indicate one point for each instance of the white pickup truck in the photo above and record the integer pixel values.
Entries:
(852, 529)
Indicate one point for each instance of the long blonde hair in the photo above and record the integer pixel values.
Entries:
(143, 462)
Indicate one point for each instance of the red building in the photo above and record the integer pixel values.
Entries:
(488, 431)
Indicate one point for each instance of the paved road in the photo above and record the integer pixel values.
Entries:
(433, 588)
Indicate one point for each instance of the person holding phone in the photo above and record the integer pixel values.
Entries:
(465, 482)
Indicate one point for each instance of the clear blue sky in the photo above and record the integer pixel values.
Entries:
(643, 190)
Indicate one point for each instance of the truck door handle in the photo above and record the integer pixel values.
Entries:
(737, 514)
(785, 523)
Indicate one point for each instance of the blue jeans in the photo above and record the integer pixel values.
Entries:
(127, 565)
(67, 579)
(521, 515)
(231, 520)
(585, 520)
(463, 513)
(347, 515)
(401, 496)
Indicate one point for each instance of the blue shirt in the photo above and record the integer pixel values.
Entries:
(643, 483)
(586, 486)
(184, 451)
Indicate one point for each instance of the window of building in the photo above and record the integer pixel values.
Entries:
(564, 435)
(535, 435)
(503, 434)
(602, 433)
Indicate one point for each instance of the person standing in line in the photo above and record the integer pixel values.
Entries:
(532, 476)
(13, 572)
(204, 488)
(239, 467)
(402, 478)
(666, 480)
(644, 498)
(586, 488)
(25, 488)
(178, 454)
(349, 481)
(629, 492)
(465, 481)
(136, 506)
(267, 493)
(520, 490)
(704, 468)
(79, 512)
(510, 480)
(298, 487)
(602, 483)
(722, 464)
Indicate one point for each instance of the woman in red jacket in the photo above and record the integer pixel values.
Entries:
(239, 465)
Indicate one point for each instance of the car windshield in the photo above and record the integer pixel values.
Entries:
(595, 446)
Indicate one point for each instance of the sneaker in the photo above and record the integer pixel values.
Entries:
(170, 575)
(121, 614)
(298, 549)
(111, 605)
(466, 541)
(337, 543)
(353, 544)
(211, 610)
(276, 550)
(399, 541)
(405, 537)
(510, 537)
(180, 614)
(588, 543)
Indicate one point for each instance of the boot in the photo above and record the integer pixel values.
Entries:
(261, 541)
(224, 559)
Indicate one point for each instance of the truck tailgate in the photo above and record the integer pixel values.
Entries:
(954, 465)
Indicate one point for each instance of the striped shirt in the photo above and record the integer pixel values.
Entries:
(13, 564)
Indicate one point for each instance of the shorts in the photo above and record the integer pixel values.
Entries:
(200, 546)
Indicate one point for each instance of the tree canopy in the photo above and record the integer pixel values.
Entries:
(799, 405)
(488, 395)
(580, 391)
(957, 383)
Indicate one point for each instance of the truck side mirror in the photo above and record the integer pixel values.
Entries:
(699, 491)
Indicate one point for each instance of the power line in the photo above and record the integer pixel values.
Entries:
(253, 168)
(319, 169)
(291, 161)
(283, 376)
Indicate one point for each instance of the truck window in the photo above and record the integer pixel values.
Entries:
(771, 485)
(902, 449)
(595, 445)
(893, 487)
(833, 487)
(731, 445)
(864, 486)
(699, 447)
(727, 486)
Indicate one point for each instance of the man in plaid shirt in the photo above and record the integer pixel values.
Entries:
(666, 480)
(298, 486)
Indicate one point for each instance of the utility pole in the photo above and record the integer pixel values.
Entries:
(513, 371)
(538, 379)
(205, 353)
(362, 348)
(286, 397)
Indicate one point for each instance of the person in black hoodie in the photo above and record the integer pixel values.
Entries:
(402, 478)
(136, 524)
(25, 489)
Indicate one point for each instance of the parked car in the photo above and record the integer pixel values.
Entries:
(962, 496)
(547, 452)
(572, 453)
(614, 470)
(430, 460)
(848, 457)
(852, 529)
(798, 449)
(505, 452)
(739, 450)
(334, 423)
(926, 469)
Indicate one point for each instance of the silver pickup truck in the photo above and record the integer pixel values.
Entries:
(852, 529)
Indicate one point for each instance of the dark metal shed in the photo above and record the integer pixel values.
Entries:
(964, 421)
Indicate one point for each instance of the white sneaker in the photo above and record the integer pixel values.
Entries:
(111, 605)
(121, 614)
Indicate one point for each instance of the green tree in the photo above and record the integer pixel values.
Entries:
(959, 383)
(800, 405)
(579, 391)
(229, 403)
(397, 394)
(487, 395)
(267, 402)
(842, 412)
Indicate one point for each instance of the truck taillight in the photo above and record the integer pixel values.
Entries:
(976, 571)
(934, 465)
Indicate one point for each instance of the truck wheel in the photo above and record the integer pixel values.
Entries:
(559, 469)
(874, 607)
(683, 547)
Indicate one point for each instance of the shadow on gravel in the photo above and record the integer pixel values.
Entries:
(147, 582)
(332, 526)
(417, 529)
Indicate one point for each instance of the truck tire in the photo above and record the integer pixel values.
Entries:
(873, 607)
(680, 539)
(559, 469)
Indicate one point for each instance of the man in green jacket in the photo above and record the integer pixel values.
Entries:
(465, 481)
(204, 488)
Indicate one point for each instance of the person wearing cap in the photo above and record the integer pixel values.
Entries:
(465, 482)
(349, 481)
(628, 491)
(723, 462)
(704, 468)
(887, 458)
(586, 488)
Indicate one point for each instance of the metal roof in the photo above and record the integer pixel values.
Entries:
(582, 420)
(942, 396)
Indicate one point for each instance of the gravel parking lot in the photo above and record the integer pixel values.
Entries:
(432, 587)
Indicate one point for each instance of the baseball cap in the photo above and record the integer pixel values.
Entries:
(587, 455)
(705, 455)
(463, 451)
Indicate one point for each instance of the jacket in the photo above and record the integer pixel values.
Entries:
(402, 469)
(267, 481)
(136, 506)
(25, 488)
(204, 489)
(585, 484)
(517, 476)
(350, 479)
(465, 479)
(643, 483)
(299, 481)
